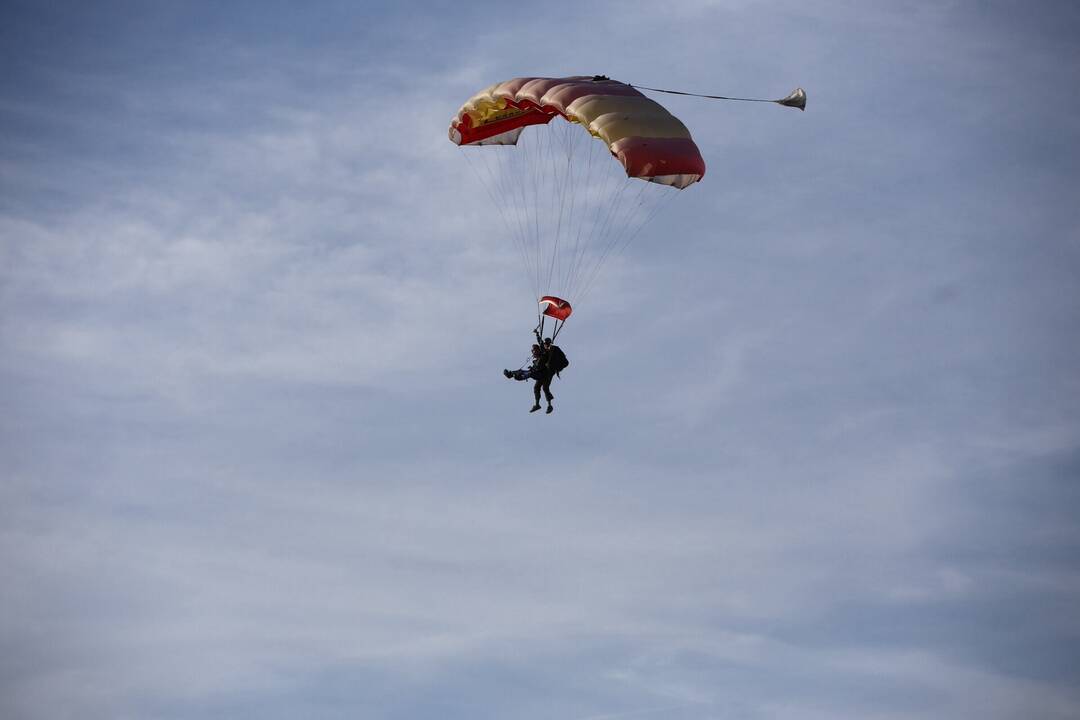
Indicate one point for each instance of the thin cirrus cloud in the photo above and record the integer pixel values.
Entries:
(814, 455)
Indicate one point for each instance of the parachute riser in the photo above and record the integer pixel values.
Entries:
(556, 327)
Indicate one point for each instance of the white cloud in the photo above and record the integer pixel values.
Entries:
(251, 331)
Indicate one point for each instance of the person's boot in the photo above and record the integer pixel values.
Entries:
(508, 374)
(534, 408)
(551, 409)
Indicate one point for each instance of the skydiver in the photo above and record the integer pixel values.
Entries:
(543, 376)
(540, 373)
(553, 362)
(526, 373)
(555, 357)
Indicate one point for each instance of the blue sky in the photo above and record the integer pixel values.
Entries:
(816, 455)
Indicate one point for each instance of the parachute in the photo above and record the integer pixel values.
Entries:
(650, 142)
(601, 163)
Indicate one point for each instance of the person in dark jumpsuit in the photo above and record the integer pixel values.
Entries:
(548, 360)
(539, 372)
(553, 361)
(543, 376)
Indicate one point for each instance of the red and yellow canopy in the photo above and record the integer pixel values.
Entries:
(651, 143)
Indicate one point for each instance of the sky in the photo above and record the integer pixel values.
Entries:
(816, 456)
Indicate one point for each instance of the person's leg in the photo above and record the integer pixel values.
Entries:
(536, 395)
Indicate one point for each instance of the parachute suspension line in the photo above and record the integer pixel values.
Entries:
(599, 231)
(564, 143)
(656, 210)
(530, 183)
(601, 234)
(549, 177)
(539, 184)
(593, 193)
(577, 137)
(512, 168)
(556, 329)
(612, 233)
(565, 189)
(564, 165)
(602, 184)
(603, 200)
(572, 252)
(511, 174)
(516, 175)
(560, 177)
(620, 241)
(529, 180)
(490, 186)
(589, 183)
(613, 237)
(549, 190)
(499, 187)
(615, 228)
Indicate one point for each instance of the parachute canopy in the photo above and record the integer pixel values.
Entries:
(651, 143)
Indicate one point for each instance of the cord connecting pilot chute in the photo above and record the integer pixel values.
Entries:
(796, 99)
